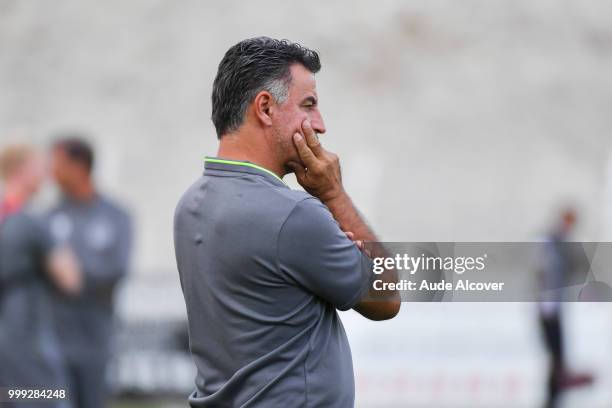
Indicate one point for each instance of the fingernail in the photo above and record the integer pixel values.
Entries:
(307, 124)
(297, 137)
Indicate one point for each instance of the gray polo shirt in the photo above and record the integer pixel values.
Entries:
(263, 269)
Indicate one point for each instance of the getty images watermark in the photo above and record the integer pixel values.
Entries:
(492, 272)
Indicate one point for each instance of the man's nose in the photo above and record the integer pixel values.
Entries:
(316, 121)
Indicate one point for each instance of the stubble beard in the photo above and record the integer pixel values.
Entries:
(284, 149)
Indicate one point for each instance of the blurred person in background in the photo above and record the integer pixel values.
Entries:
(100, 234)
(560, 262)
(30, 263)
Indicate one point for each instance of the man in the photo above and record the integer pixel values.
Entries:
(99, 232)
(560, 261)
(263, 268)
(29, 264)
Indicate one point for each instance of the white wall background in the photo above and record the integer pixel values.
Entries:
(468, 120)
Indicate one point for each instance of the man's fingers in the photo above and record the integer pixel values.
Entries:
(357, 242)
(307, 156)
(311, 138)
(297, 168)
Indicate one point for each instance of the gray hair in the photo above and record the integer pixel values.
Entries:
(249, 67)
(278, 88)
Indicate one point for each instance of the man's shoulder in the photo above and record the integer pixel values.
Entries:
(189, 198)
(292, 196)
(309, 214)
(104, 203)
(260, 194)
(22, 220)
(113, 207)
(24, 226)
(267, 201)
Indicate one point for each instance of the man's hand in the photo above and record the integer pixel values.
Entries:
(360, 244)
(319, 172)
(65, 271)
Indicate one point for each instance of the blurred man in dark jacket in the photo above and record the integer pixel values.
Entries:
(30, 263)
(100, 234)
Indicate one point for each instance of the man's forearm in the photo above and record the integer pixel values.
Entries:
(344, 211)
(378, 305)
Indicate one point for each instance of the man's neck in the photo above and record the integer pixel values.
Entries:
(83, 192)
(235, 146)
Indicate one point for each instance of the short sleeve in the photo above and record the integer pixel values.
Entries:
(314, 253)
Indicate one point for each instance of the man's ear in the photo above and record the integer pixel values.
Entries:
(261, 107)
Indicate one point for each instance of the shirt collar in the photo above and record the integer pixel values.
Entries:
(215, 163)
